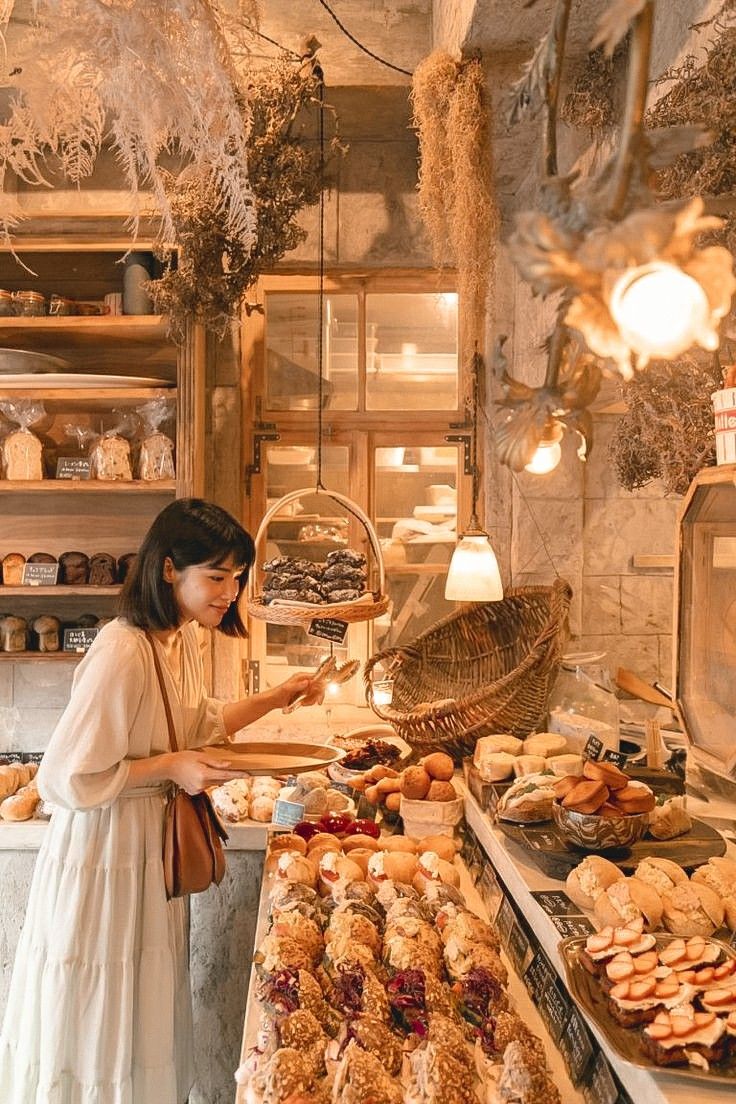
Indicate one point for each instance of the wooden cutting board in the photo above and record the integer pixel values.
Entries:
(282, 757)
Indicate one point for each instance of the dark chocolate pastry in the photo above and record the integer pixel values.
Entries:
(279, 563)
(343, 595)
(125, 563)
(345, 575)
(102, 569)
(282, 595)
(73, 568)
(41, 557)
(87, 621)
(313, 596)
(346, 556)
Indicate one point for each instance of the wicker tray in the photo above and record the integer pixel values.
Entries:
(486, 668)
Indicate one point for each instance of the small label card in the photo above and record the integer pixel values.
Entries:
(328, 628)
(287, 813)
(364, 810)
(78, 640)
(519, 949)
(555, 902)
(618, 758)
(593, 748)
(568, 926)
(538, 975)
(40, 574)
(555, 1008)
(544, 839)
(505, 920)
(602, 1087)
(576, 1046)
(73, 467)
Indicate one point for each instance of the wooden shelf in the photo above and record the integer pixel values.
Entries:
(49, 333)
(60, 591)
(58, 657)
(88, 486)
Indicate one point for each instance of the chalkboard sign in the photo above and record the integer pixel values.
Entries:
(364, 809)
(73, 467)
(555, 902)
(576, 1046)
(40, 574)
(602, 1087)
(555, 1007)
(505, 920)
(538, 975)
(568, 926)
(329, 629)
(78, 640)
(519, 950)
(618, 758)
(593, 748)
(287, 813)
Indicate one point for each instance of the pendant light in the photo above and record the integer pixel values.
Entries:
(473, 575)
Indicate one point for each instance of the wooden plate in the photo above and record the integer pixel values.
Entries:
(276, 758)
(589, 996)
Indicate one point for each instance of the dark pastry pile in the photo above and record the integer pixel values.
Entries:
(342, 578)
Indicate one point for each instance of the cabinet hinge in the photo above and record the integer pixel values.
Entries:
(262, 431)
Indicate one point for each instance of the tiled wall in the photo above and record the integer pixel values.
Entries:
(33, 694)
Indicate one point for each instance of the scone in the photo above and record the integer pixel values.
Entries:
(496, 766)
(545, 744)
(692, 909)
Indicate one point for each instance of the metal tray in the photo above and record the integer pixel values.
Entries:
(275, 758)
(590, 998)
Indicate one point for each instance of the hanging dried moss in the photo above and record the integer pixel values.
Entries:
(704, 95)
(211, 272)
(667, 432)
(592, 101)
(456, 195)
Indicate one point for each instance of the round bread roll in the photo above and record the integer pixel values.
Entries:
(590, 878)
(260, 808)
(626, 900)
(565, 764)
(287, 841)
(362, 856)
(372, 795)
(438, 765)
(321, 838)
(337, 869)
(351, 843)
(545, 744)
(393, 802)
(292, 867)
(661, 874)
(729, 908)
(485, 745)
(496, 766)
(375, 774)
(396, 866)
(415, 783)
(719, 874)
(444, 846)
(431, 868)
(441, 791)
(388, 786)
(317, 854)
(398, 843)
(528, 764)
(692, 909)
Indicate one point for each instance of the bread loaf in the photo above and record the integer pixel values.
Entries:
(156, 459)
(101, 569)
(22, 805)
(47, 630)
(13, 634)
(41, 557)
(125, 562)
(111, 459)
(22, 456)
(10, 779)
(13, 565)
(73, 568)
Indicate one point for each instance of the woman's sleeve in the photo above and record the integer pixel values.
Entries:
(85, 764)
(209, 727)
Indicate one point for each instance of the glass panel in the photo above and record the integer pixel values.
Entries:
(291, 351)
(411, 352)
(416, 519)
(305, 529)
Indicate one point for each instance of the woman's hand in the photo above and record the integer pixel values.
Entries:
(194, 771)
(294, 687)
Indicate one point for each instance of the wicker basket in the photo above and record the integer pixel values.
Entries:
(486, 668)
(303, 613)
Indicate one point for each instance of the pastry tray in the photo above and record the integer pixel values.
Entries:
(259, 758)
(590, 998)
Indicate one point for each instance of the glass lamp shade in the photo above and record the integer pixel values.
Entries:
(383, 691)
(545, 459)
(661, 311)
(473, 575)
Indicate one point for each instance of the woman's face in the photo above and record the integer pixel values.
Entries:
(203, 592)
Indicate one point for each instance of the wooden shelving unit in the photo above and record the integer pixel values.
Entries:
(56, 657)
(87, 486)
(61, 590)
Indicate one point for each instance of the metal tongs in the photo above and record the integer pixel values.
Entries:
(329, 671)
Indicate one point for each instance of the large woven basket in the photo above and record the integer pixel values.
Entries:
(486, 668)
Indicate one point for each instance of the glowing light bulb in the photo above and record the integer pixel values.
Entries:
(661, 311)
(383, 691)
(473, 575)
(545, 459)
(333, 689)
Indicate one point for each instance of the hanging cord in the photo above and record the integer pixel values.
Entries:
(284, 49)
(354, 40)
(477, 365)
(321, 250)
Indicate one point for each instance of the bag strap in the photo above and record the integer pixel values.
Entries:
(164, 695)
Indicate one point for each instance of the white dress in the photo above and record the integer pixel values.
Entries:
(99, 1010)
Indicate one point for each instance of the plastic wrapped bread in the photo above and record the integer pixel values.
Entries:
(22, 452)
(156, 459)
(110, 457)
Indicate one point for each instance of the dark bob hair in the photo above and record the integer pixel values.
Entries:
(189, 531)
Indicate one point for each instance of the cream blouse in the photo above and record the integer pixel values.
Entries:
(116, 713)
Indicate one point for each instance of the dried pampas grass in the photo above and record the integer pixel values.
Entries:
(456, 196)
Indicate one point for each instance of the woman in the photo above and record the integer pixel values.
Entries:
(99, 1010)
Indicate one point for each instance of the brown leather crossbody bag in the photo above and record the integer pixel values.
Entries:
(192, 853)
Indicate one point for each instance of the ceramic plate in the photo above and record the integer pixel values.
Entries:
(27, 362)
(73, 380)
(276, 758)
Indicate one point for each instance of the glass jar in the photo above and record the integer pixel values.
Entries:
(583, 703)
(6, 304)
(60, 307)
(29, 304)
